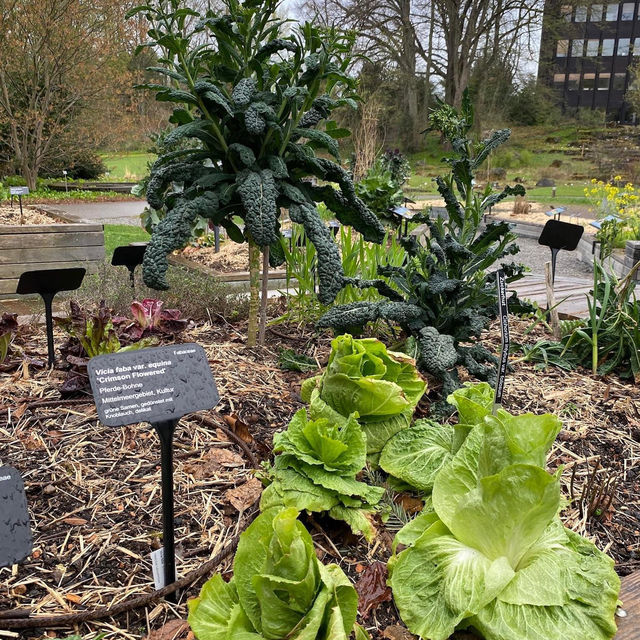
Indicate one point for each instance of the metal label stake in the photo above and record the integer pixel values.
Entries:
(129, 256)
(157, 385)
(503, 314)
(47, 283)
(559, 236)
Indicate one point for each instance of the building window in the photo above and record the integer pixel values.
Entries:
(618, 82)
(612, 12)
(597, 10)
(588, 81)
(563, 48)
(603, 81)
(607, 46)
(581, 14)
(558, 78)
(574, 81)
(624, 44)
(565, 12)
(628, 9)
(636, 47)
(577, 48)
(592, 47)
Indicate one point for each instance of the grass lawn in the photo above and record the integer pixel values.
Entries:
(119, 234)
(129, 166)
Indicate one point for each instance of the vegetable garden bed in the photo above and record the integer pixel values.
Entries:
(94, 491)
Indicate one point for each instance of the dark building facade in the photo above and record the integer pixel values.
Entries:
(585, 54)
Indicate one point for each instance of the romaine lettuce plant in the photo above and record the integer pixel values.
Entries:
(279, 590)
(8, 328)
(417, 455)
(382, 386)
(316, 471)
(492, 554)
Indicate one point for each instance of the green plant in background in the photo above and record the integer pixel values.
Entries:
(254, 98)
(491, 554)
(8, 329)
(447, 295)
(279, 590)
(316, 471)
(394, 161)
(380, 191)
(383, 387)
(360, 260)
(605, 342)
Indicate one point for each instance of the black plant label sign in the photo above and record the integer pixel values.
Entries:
(16, 541)
(152, 385)
(503, 313)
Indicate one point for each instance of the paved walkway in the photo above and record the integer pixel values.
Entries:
(127, 212)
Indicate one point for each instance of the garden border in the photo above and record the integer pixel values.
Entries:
(47, 246)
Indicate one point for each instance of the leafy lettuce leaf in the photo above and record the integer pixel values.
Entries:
(492, 553)
(279, 589)
(363, 377)
(316, 471)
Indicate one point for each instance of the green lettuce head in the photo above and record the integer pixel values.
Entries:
(493, 555)
(316, 471)
(382, 387)
(279, 590)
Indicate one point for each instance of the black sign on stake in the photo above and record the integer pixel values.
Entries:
(19, 191)
(559, 235)
(129, 256)
(16, 542)
(47, 283)
(157, 385)
(503, 313)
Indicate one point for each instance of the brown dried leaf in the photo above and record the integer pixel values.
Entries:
(372, 588)
(238, 427)
(172, 630)
(409, 503)
(19, 412)
(75, 521)
(245, 495)
(214, 461)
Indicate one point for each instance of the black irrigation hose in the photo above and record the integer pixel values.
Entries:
(135, 603)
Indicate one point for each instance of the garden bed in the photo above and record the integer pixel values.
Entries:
(31, 215)
(94, 491)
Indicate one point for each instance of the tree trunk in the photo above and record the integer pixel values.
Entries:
(265, 295)
(254, 292)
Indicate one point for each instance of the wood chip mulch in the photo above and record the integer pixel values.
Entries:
(94, 491)
(11, 215)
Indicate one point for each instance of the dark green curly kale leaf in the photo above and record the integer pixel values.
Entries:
(330, 273)
(343, 318)
(243, 92)
(171, 233)
(436, 352)
(279, 44)
(258, 193)
(165, 174)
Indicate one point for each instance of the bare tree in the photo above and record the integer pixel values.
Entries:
(52, 62)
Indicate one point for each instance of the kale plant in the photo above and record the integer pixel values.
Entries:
(445, 295)
(254, 99)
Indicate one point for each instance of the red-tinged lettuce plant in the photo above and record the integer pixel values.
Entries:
(149, 318)
(255, 97)
(8, 329)
(90, 334)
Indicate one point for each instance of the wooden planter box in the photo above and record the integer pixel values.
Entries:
(52, 246)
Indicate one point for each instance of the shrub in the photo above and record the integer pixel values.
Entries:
(80, 164)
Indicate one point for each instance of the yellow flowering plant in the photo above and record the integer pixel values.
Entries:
(623, 202)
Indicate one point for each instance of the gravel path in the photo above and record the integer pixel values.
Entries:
(104, 212)
(534, 256)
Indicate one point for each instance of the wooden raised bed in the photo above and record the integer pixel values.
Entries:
(55, 246)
